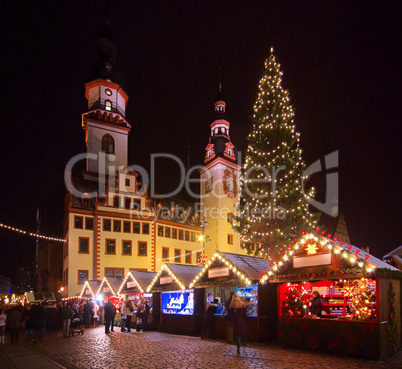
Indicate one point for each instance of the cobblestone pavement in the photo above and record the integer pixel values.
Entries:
(118, 350)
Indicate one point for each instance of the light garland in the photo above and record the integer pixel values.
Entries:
(31, 234)
(233, 268)
(109, 285)
(86, 285)
(165, 267)
(352, 255)
(129, 274)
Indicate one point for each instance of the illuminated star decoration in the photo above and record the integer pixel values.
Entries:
(312, 248)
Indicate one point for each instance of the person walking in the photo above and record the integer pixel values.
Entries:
(88, 313)
(239, 321)
(3, 320)
(14, 321)
(129, 313)
(66, 316)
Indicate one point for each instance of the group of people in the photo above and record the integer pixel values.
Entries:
(127, 309)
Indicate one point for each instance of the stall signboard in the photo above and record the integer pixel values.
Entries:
(165, 280)
(312, 260)
(131, 284)
(218, 272)
(178, 302)
(106, 289)
(87, 292)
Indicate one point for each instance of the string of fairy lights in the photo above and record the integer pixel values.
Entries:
(273, 117)
(14, 229)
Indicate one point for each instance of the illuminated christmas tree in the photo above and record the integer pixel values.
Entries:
(361, 302)
(273, 206)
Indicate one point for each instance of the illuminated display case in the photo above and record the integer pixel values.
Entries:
(177, 302)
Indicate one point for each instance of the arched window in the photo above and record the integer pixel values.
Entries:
(108, 105)
(108, 144)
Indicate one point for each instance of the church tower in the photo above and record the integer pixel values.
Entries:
(104, 122)
(220, 185)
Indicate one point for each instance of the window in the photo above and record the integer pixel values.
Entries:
(136, 227)
(127, 203)
(177, 256)
(83, 245)
(230, 217)
(116, 201)
(126, 248)
(114, 272)
(198, 257)
(187, 235)
(89, 223)
(174, 233)
(110, 246)
(160, 231)
(142, 248)
(107, 225)
(188, 257)
(192, 237)
(117, 225)
(167, 232)
(82, 276)
(127, 182)
(85, 202)
(137, 204)
(108, 105)
(108, 144)
(230, 239)
(165, 253)
(127, 227)
(145, 228)
(180, 234)
(78, 222)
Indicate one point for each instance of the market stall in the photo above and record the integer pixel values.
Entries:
(89, 289)
(359, 298)
(175, 305)
(226, 273)
(133, 287)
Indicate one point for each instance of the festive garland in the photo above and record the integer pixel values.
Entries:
(392, 329)
(331, 272)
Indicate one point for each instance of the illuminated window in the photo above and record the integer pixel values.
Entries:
(82, 276)
(126, 248)
(108, 144)
(110, 246)
(108, 105)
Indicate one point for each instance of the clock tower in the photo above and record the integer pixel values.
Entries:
(220, 186)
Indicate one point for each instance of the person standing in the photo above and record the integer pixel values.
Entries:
(95, 316)
(316, 305)
(145, 315)
(29, 319)
(113, 311)
(88, 313)
(209, 317)
(123, 316)
(239, 321)
(108, 312)
(66, 316)
(13, 321)
(229, 319)
(3, 320)
(129, 313)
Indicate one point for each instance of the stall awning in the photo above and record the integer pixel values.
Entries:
(89, 289)
(136, 279)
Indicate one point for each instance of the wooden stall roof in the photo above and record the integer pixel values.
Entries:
(143, 278)
(92, 285)
(251, 266)
(115, 283)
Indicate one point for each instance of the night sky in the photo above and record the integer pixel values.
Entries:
(341, 63)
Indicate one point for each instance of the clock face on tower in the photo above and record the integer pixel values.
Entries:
(229, 183)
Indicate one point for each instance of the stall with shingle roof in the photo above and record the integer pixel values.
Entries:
(351, 292)
(227, 273)
(174, 308)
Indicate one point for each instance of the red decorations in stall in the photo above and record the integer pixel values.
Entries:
(367, 256)
(322, 232)
(260, 275)
(282, 252)
(335, 239)
(342, 242)
(303, 233)
(264, 271)
(350, 247)
(289, 246)
(329, 235)
(317, 229)
(357, 251)
(295, 240)
(275, 260)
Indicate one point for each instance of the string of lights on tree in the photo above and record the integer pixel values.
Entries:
(31, 234)
(273, 206)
